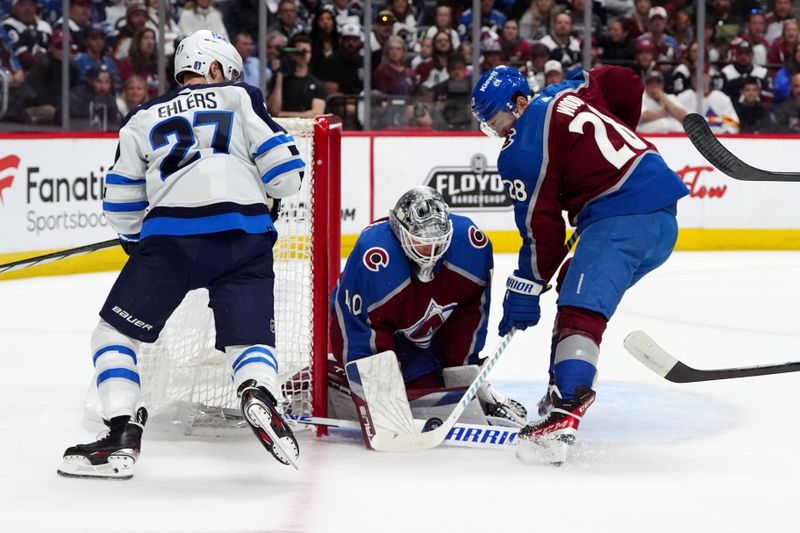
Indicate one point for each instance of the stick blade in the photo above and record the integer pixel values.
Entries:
(708, 145)
(641, 346)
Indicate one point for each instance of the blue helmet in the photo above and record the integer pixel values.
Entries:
(495, 92)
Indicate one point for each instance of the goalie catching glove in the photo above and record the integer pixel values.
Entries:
(520, 305)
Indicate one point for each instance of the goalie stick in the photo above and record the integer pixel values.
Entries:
(407, 442)
(460, 435)
(646, 351)
(708, 145)
(56, 256)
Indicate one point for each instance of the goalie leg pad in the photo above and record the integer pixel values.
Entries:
(380, 396)
(116, 374)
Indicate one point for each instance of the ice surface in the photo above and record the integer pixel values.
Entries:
(652, 456)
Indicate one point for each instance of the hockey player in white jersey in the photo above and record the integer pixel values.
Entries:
(188, 194)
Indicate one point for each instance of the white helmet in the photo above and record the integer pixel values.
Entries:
(421, 222)
(196, 53)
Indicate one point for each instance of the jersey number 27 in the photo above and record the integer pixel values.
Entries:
(183, 131)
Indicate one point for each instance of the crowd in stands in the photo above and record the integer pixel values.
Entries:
(420, 52)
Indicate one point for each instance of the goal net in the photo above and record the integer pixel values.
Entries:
(186, 382)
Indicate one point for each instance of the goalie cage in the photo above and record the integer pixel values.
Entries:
(186, 385)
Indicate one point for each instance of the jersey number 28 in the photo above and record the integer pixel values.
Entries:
(598, 120)
(183, 131)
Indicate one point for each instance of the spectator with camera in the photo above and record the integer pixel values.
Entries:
(295, 92)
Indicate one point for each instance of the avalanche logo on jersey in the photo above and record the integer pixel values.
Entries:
(376, 258)
(477, 238)
(421, 333)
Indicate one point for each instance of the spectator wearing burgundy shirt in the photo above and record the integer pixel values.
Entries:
(516, 50)
(433, 71)
(776, 18)
(756, 26)
(393, 76)
(781, 49)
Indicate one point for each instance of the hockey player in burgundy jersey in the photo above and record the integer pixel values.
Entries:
(573, 149)
(419, 283)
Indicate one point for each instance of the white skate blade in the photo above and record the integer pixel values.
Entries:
(261, 418)
(118, 467)
(545, 450)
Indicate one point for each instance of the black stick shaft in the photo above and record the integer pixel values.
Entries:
(56, 256)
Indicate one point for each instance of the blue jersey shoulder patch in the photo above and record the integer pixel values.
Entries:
(470, 249)
(377, 266)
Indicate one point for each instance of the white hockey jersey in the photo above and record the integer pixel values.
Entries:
(200, 159)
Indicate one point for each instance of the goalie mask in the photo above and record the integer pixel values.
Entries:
(197, 52)
(421, 222)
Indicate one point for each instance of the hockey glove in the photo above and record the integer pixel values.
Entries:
(274, 206)
(521, 305)
(129, 243)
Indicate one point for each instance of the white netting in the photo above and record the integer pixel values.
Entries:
(186, 383)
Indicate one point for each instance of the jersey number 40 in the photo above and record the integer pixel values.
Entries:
(183, 131)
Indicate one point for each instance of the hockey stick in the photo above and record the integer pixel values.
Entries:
(55, 256)
(406, 442)
(709, 146)
(646, 351)
(460, 435)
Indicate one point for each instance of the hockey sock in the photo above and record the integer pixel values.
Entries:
(117, 377)
(256, 362)
(575, 364)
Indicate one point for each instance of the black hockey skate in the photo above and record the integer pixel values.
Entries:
(548, 440)
(258, 407)
(113, 455)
